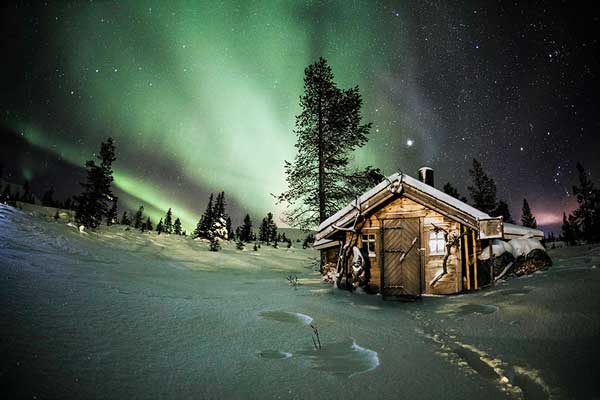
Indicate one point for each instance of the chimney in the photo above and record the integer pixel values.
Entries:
(426, 175)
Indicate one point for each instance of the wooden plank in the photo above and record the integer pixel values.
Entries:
(466, 242)
(440, 206)
(474, 260)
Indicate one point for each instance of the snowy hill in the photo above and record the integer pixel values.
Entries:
(120, 314)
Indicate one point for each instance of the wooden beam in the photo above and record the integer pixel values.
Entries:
(474, 260)
(466, 246)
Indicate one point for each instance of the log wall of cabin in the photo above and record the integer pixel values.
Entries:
(403, 207)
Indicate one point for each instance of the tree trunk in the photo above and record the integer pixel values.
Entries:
(322, 215)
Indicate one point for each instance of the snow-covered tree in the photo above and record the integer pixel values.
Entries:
(328, 129)
(483, 190)
(215, 244)
(527, 218)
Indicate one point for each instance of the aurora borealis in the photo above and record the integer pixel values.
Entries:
(201, 96)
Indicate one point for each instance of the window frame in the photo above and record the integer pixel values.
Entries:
(438, 238)
(370, 238)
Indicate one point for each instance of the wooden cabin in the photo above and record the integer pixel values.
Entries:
(406, 230)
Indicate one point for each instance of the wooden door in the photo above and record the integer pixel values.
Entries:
(401, 261)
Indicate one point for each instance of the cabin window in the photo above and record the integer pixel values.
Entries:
(368, 244)
(437, 243)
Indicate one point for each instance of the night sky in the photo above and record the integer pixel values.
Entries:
(201, 96)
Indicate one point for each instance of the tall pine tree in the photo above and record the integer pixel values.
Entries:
(177, 227)
(328, 129)
(125, 219)
(246, 229)
(168, 224)
(587, 214)
(527, 218)
(483, 191)
(160, 227)
(138, 218)
(92, 202)
(206, 221)
(503, 211)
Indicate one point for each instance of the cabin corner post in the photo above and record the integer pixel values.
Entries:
(468, 271)
(491, 262)
(382, 260)
(475, 282)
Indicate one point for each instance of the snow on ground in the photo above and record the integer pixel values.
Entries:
(116, 314)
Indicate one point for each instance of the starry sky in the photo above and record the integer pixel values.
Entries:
(201, 96)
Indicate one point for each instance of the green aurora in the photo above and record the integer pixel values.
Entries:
(208, 90)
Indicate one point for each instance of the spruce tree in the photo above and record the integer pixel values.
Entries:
(92, 202)
(272, 227)
(148, 224)
(483, 191)
(219, 218)
(138, 218)
(587, 214)
(168, 224)
(160, 227)
(527, 218)
(177, 227)
(206, 221)
(503, 211)
(111, 216)
(246, 230)
(125, 219)
(328, 130)
(262, 231)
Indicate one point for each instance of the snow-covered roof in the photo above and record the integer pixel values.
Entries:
(446, 198)
(405, 180)
(518, 230)
(325, 244)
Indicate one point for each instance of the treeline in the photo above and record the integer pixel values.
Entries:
(583, 224)
(484, 197)
(97, 204)
(11, 196)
